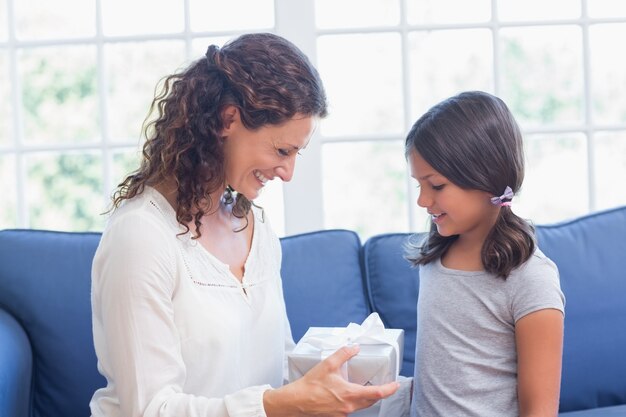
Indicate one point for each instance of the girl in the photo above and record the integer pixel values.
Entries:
(490, 308)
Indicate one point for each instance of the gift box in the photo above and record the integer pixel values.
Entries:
(378, 361)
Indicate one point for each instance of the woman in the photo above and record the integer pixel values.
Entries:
(188, 312)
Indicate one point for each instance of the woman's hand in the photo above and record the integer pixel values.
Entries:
(324, 392)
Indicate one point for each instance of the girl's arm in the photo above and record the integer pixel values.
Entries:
(539, 340)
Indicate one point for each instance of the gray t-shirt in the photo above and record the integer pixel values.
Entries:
(465, 358)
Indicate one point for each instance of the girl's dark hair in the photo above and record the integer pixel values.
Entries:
(473, 140)
(265, 76)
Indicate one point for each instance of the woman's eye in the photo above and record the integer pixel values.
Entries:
(283, 152)
(438, 187)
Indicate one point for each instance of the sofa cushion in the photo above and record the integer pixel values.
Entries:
(45, 281)
(615, 411)
(393, 286)
(590, 252)
(322, 280)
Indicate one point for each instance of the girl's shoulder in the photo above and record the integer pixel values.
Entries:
(539, 261)
(535, 285)
(538, 269)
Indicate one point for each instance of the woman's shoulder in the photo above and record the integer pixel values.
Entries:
(143, 218)
(149, 206)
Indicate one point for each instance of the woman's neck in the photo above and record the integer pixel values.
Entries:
(218, 215)
(169, 190)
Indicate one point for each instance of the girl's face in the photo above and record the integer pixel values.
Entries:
(454, 210)
(253, 157)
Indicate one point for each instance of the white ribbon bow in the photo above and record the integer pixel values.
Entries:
(370, 332)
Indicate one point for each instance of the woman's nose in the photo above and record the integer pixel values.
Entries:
(285, 170)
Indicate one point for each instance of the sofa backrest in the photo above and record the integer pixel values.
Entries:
(392, 287)
(322, 280)
(45, 285)
(590, 252)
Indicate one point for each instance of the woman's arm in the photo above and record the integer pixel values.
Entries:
(539, 340)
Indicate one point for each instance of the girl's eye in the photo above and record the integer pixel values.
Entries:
(438, 187)
(283, 152)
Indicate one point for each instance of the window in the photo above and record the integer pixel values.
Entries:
(553, 64)
(75, 88)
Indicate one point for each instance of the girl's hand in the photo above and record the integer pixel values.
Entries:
(324, 392)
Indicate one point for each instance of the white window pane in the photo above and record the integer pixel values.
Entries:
(606, 8)
(58, 81)
(448, 11)
(608, 73)
(125, 162)
(3, 18)
(139, 17)
(356, 13)
(467, 64)
(64, 191)
(131, 91)
(8, 205)
(36, 19)
(538, 9)
(363, 79)
(273, 204)
(365, 187)
(219, 15)
(542, 74)
(556, 183)
(610, 169)
(6, 109)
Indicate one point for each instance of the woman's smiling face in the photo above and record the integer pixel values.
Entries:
(253, 157)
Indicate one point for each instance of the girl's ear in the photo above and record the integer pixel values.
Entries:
(230, 116)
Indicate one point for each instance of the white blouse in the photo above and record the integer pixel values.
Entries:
(175, 332)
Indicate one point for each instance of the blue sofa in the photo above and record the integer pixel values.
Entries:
(47, 360)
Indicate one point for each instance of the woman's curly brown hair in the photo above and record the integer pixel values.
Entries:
(265, 76)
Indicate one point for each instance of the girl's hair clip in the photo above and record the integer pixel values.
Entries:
(504, 199)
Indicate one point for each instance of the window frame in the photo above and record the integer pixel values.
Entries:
(303, 198)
